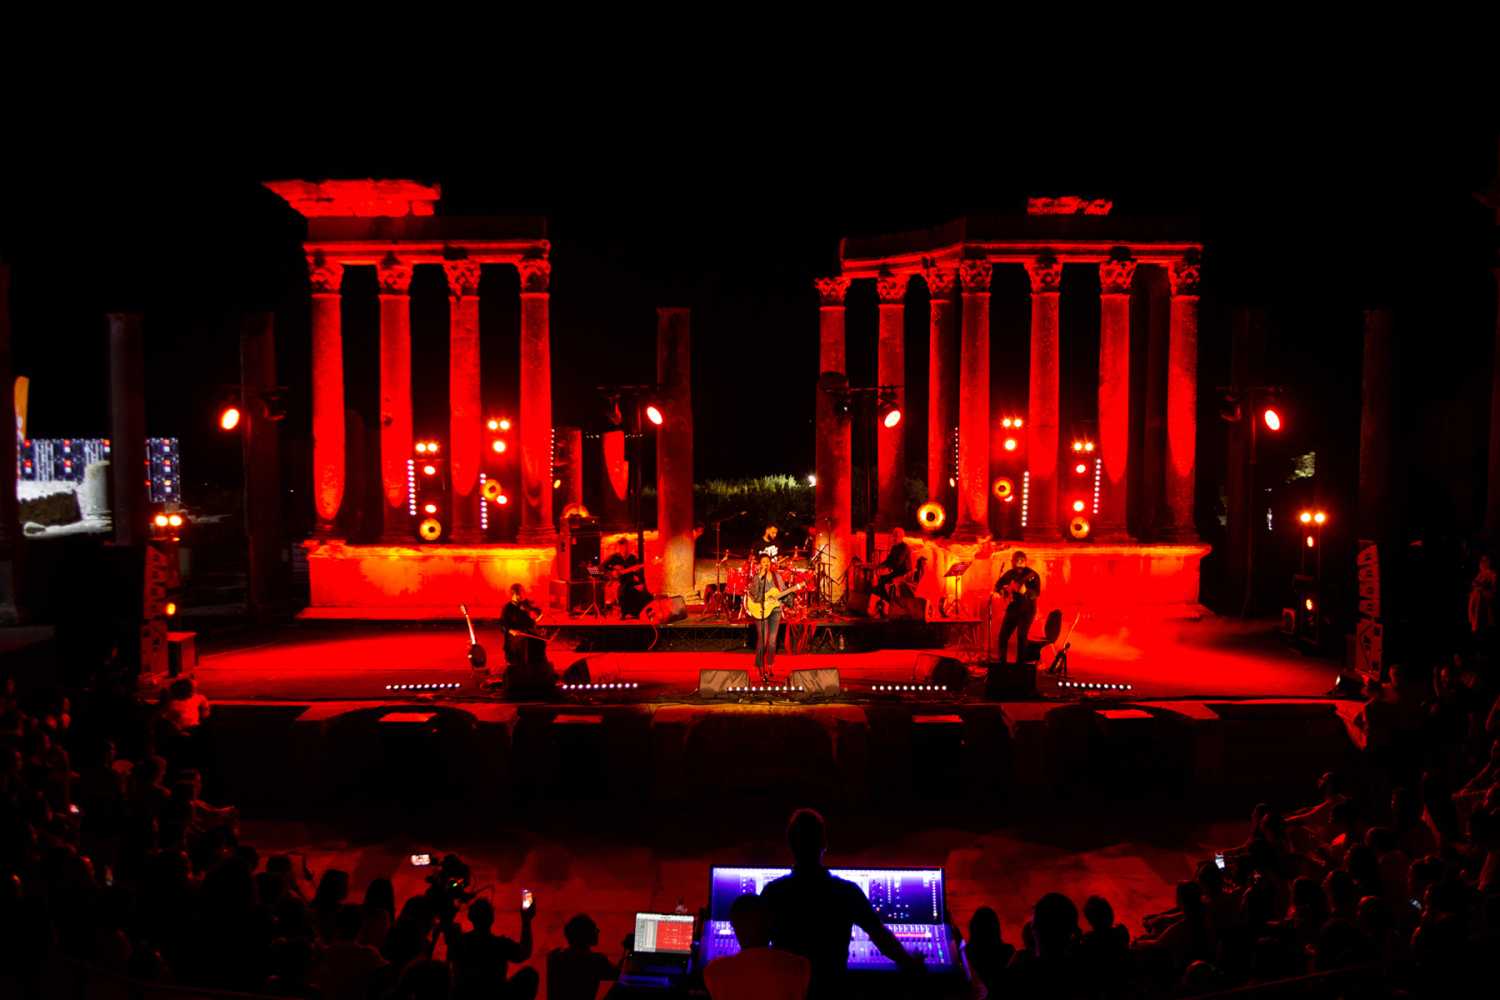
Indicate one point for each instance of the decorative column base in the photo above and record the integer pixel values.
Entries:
(536, 537)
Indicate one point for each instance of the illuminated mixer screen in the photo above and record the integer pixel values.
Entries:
(899, 895)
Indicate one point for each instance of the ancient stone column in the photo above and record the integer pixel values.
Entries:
(127, 427)
(1115, 276)
(890, 449)
(614, 492)
(570, 443)
(536, 405)
(9, 512)
(942, 382)
(395, 397)
(674, 449)
(1182, 401)
(328, 429)
(833, 494)
(974, 411)
(833, 462)
(464, 404)
(1043, 399)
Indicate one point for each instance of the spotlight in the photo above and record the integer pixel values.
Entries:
(812, 480)
(1005, 422)
(931, 515)
(887, 410)
(175, 520)
(1320, 517)
(1272, 418)
(557, 484)
(892, 418)
(1077, 445)
(505, 423)
(431, 529)
(574, 510)
(429, 470)
(952, 483)
(1079, 528)
(1088, 446)
(1017, 422)
(160, 520)
(1305, 517)
(430, 509)
(1004, 488)
(1010, 444)
(432, 447)
(171, 609)
(653, 414)
(421, 447)
(1078, 506)
(229, 418)
(492, 424)
(1080, 468)
(1310, 542)
(491, 489)
(1308, 604)
(502, 499)
(498, 446)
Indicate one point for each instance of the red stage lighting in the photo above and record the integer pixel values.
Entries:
(430, 508)
(892, 418)
(160, 520)
(1081, 469)
(1272, 418)
(1308, 604)
(931, 515)
(653, 414)
(431, 529)
(1004, 488)
(492, 424)
(1005, 422)
(1078, 506)
(171, 608)
(1320, 517)
(421, 447)
(502, 499)
(505, 423)
(1305, 517)
(1010, 444)
(229, 418)
(1079, 527)
(499, 446)
(429, 470)
(1310, 542)
(175, 520)
(491, 490)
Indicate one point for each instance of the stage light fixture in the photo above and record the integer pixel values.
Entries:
(492, 424)
(1308, 604)
(931, 515)
(1004, 488)
(1005, 423)
(1081, 468)
(1305, 517)
(653, 414)
(1310, 542)
(1010, 444)
(229, 418)
(171, 609)
(430, 508)
(574, 510)
(1088, 446)
(812, 480)
(886, 409)
(505, 423)
(421, 447)
(1272, 418)
(175, 520)
(498, 446)
(1017, 422)
(502, 499)
(1078, 506)
(1079, 528)
(952, 483)
(1320, 517)
(1077, 445)
(557, 484)
(491, 489)
(891, 419)
(160, 520)
(429, 470)
(431, 529)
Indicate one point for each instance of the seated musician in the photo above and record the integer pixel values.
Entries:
(519, 621)
(895, 566)
(630, 573)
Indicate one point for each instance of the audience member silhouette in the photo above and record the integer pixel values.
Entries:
(987, 953)
(757, 971)
(575, 972)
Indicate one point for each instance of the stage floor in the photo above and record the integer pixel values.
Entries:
(321, 661)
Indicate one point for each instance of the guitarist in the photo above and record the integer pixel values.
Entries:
(895, 566)
(630, 572)
(768, 628)
(1020, 586)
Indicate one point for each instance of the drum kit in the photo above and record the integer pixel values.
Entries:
(733, 575)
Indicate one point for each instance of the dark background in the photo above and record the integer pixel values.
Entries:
(1312, 220)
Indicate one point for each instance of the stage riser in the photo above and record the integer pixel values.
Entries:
(272, 758)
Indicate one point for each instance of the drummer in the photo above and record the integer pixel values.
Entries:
(767, 546)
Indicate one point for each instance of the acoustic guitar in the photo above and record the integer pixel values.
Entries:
(771, 603)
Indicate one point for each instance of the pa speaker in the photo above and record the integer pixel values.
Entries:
(712, 683)
(578, 673)
(945, 671)
(1010, 680)
(665, 610)
(820, 683)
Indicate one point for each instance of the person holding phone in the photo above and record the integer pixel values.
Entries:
(480, 958)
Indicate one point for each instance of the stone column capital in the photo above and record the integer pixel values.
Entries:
(975, 275)
(463, 277)
(1045, 273)
(831, 291)
(536, 275)
(394, 274)
(941, 282)
(891, 288)
(326, 276)
(1116, 273)
(1183, 275)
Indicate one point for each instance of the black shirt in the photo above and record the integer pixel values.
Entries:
(1026, 578)
(515, 618)
(898, 559)
(633, 579)
(812, 913)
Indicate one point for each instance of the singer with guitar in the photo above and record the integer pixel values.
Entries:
(629, 573)
(763, 604)
(1020, 586)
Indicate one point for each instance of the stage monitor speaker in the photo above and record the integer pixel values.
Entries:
(820, 683)
(1010, 680)
(857, 599)
(711, 683)
(946, 671)
(578, 673)
(665, 610)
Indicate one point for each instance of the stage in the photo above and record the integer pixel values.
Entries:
(1207, 657)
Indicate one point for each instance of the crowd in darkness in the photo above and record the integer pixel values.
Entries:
(113, 861)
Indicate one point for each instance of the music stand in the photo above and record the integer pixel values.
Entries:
(594, 585)
(955, 571)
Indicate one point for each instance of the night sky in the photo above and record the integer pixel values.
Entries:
(1312, 220)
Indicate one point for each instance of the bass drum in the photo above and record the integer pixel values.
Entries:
(739, 582)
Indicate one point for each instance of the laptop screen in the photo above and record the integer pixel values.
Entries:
(899, 895)
(663, 933)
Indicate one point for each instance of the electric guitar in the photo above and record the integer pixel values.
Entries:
(771, 603)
